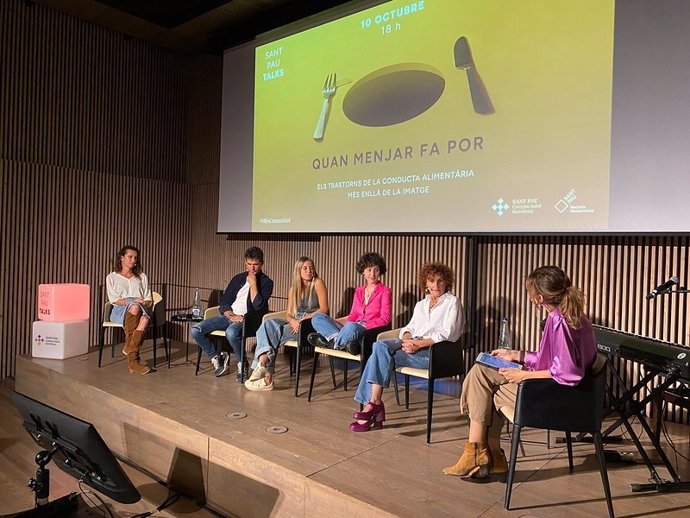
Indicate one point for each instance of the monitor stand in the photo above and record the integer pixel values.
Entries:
(68, 505)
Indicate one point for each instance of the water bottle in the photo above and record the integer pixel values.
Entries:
(504, 341)
(196, 305)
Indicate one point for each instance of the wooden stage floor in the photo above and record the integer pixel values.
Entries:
(183, 429)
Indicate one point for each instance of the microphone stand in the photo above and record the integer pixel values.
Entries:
(680, 291)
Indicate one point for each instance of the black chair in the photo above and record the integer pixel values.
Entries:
(446, 359)
(250, 325)
(366, 343)
(545, 404)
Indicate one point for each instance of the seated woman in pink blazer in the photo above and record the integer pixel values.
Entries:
(371, 308)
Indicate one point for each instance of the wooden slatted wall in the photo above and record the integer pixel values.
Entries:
(92, 156)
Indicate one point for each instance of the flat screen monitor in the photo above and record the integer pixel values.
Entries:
(461, 116)
(77, 447)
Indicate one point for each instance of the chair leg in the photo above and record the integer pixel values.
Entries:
(332, 365)
(345, 375)
(313, 374)
(167, 344)
(101, 340)
(243, 356)
(166, 347)
(511, 466)
(198, 361)
(112, 343)
(599, 447)
(569, 447)
(522, 447)
(155, 344)
(407, 392)
(429, 408)
(298, 368)
(394, 375)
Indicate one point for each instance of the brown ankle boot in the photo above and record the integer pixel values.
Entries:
(135, 367)
(133, 354)
(473, 461)
(130, 325)
(499, 463)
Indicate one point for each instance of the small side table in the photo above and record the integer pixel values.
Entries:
(184, 318)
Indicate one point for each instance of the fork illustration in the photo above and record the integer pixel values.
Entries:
(328, 91)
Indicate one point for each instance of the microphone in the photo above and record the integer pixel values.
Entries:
(663, 288)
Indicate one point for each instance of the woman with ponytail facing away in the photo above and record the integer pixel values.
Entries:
(566, 352)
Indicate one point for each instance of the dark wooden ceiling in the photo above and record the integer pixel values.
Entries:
(192, 26)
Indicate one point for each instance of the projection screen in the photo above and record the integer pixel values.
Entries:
(462, 116)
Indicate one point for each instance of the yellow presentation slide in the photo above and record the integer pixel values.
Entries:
(437, 115)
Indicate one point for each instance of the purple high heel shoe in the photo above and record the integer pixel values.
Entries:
(375, 410)
(373, 419)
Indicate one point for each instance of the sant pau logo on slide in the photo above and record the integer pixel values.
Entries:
(517, 206)
(500, 207)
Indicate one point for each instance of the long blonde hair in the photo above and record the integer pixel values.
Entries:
(297, 290)
(554, 285)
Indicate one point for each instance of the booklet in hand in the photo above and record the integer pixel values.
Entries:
(495, 362)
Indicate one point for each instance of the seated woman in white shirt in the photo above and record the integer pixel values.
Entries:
(436, 318)
(129, 293)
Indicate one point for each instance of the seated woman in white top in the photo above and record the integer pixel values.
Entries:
(129, 293)
(436, 318)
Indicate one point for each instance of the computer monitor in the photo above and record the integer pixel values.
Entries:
(77, 448)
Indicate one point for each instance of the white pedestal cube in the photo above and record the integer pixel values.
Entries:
(60, 340)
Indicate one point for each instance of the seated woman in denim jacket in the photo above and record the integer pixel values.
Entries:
(307, 297)
(436, 318)
(371, 308)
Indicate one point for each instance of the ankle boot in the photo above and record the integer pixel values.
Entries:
(130, 325)
(473, 461)
(133, 354)
(134, 366)
(499, 463)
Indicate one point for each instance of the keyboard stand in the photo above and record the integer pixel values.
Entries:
(627, 407)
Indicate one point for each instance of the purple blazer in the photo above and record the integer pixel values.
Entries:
(565, 352)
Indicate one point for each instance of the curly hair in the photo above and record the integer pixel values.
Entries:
(430, 270)
(371, 259)
(555, 286)
(117, 264)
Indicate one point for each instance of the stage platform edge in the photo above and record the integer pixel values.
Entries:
(228, 479)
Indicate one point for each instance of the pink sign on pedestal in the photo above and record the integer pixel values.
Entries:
(63, 302)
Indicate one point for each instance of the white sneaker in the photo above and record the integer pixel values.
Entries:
(259, 372)
(258, 385)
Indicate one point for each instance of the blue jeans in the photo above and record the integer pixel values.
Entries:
(385, 357)
(270, 335)
(233, 332)
(331, 329)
